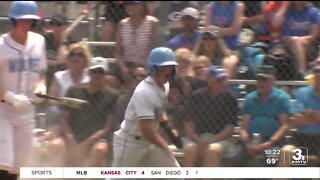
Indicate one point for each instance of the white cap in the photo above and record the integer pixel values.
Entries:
(189, 11)
(97, 62)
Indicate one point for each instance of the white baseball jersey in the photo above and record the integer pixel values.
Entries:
(20, 68)
(147, 98)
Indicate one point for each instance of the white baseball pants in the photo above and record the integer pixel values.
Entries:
(131, 152)
(15, 145)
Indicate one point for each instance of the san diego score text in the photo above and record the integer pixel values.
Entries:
(177, 172)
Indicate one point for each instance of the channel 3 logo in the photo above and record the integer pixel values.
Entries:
(299, 156)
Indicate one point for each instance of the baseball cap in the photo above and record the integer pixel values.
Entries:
(190, 11)
(216, 72)
(60, 19)
(99, 62)
(265, 71)
(210, 35)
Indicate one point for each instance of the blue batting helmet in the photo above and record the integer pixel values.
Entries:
(24, 10)
(160, 56)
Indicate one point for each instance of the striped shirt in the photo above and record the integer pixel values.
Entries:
(136, 41)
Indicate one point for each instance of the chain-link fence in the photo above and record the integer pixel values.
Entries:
(223, 122)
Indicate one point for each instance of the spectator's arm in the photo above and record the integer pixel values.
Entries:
(230, 119)
(154, 34)
(102, 132)
(301, 119)
(258, 19)
(189, 127)
(63, 124)
(109, 124)
(223, 135)
(119, 47)
(283, 117)
(314, 32)
(244, 135)
(54, 89)
(284, 120)
(208, 12)
(236, 24)
(279, 17)
(62, 53)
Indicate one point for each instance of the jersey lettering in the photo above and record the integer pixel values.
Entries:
(19, 65)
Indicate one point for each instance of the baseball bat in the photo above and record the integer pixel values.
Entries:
(65, 101)
(71, 27)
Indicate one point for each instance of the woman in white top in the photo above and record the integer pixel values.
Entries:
(136, 37)
(76, 60)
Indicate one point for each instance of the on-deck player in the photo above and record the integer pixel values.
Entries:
(138, 142)
(22, 65)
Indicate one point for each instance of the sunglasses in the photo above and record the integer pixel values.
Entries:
(97, 71)
(76, 54)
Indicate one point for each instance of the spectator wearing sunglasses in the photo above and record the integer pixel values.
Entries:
(76, 61)
(208, 124)
(266, 111)
(213, 46)
(88, 131)
(56, 49)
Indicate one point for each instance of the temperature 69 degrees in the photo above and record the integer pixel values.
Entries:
(272, 160)
(272, 155)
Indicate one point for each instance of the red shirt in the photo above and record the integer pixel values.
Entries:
(269, 11)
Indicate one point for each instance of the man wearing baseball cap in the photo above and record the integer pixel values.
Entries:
(266, 112)
(212, 115)
(190, 18)
(90, 126)
(307, 114)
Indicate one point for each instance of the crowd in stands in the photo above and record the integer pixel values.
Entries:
(270, 39)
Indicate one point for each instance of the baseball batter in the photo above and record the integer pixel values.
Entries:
(138, 142)
(22, 65)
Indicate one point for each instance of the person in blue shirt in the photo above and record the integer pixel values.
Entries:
(226, 18)
(307, 114)
(299, 22)
(266, 111)
(189, 35)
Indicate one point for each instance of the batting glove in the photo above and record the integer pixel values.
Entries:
(21, 103)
